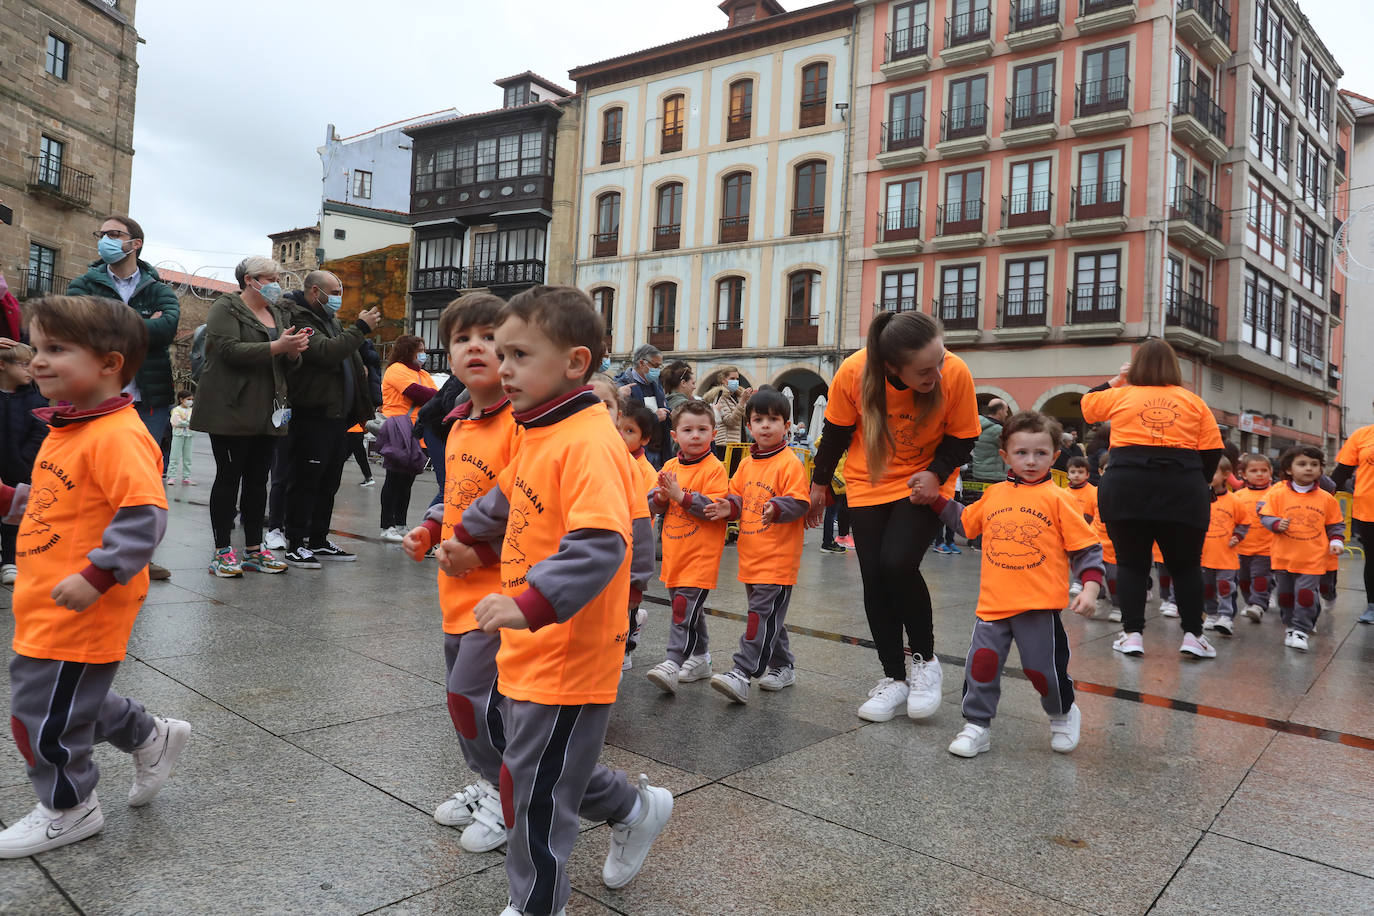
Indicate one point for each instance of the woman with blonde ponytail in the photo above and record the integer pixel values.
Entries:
(906, 411)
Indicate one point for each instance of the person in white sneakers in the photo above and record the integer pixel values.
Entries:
(1035, 541)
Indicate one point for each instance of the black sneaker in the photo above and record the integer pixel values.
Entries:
(302, 557)
(331, 551)
(833, 548)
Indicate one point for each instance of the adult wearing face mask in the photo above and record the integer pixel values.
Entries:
(328, 393)
(406, 387)
(640, 385)
(728, 398)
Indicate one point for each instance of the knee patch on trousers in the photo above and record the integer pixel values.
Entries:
(507, 797)
(752, 628)
(21, 738)
(679, 609)
(983, 667)
(464, 717)
(1224, 589)
(1038, 681)
(1260, 583)
(1306, 597)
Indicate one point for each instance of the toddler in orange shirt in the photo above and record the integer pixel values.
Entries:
(770, 496)
(1084, 494)
(89, 522)
(1226, 529)
(1256, 571)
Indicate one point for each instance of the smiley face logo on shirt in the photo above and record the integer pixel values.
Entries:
(1305, 523)
(465, 492)
(1013, 545)
(511, 552)
(1158, 416)
(40, 501)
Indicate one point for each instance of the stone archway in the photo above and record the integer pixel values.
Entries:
(1064, 405)
(807, 385)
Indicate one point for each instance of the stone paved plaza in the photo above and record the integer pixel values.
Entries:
(322, 744)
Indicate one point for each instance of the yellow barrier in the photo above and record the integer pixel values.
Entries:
(735, 452)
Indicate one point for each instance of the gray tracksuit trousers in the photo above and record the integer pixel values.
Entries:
(764, 644)
(1255, 577)
(688, 634)
(1219, 592)
(473, 703)
(1044, 650)
(59, 711)
(1299, 599)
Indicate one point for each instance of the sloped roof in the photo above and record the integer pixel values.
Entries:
(534, 78)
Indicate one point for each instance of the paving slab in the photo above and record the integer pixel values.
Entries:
(26, 891)
(482, 893)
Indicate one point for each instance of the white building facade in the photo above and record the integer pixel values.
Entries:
(372, 168)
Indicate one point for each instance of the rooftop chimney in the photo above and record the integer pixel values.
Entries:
(742, 12)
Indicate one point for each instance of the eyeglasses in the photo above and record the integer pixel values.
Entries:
(110, 234)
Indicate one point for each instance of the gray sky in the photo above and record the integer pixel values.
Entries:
(233, 100)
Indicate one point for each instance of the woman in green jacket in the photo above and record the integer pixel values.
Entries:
(241, 402)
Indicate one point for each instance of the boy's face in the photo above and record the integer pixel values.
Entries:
(1029, 455)
(630, 432)
(768, 430)
(67, 372)
(694, 434)
(14, 375)
(534, 369)
(610, 398)
(1305, 470)
(472, 357)
(1258, 474)
(1078, 475)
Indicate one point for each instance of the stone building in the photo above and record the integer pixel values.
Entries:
(297, 250)
(69, 73)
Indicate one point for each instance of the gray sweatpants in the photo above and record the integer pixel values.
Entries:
(549, 775)
(1044, 650)
(1219, 592)
(473, 703)
(1299, 599)
(688, 634)
(59, 711)
(1255, 578)
(1111, 583)
(764, 644)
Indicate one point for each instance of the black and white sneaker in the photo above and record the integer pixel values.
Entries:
(303, 558)
(331, 551)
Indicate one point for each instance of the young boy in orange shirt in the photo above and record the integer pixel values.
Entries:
(692, 544)
(770, 495)
(1034, 539)
(560, 513)
(1084, 494)
(88, 525)
(1227, 528)
(1255, 569)
(480, 445)
(1308, 527)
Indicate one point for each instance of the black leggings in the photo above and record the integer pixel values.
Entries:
(891, 540)
(1181, 547)
(9, 543)
(396, 498)
(1365, 532)
(357, 447)
(242, 464)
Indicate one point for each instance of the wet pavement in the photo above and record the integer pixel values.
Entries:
(322, 743)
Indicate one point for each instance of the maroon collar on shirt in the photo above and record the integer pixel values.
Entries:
(1012, 478)
(560, 408)
(755, 453)
(464, 411)
(637, 453)
(66, 415)
(688, 462)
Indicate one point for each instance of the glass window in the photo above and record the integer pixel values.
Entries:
(604, 300)
(466, 161)
(741, 109)
(50, 161)
(909, 27)
(486, 159)
(730, 300)
(608, 214)
(903, 203)
(532, 153)
(803, 295)
(670, 205)
(906, 116)
(1030, 186)
(901, 290)
(665, 306)
(362, 184)
(1104, 76)
(737, 192)
(55, 61)
(810, 186)
(1033, 90)
(612, 122)
(672, 123)
(1026, 286)
(42, 268)
(815, 79)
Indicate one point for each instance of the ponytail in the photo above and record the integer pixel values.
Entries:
(892, 337)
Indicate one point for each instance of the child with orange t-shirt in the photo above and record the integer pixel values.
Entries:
(769, 495)
(1034, 540)
(1255, 570)
(1099, 527)
(560, 514)
(692, 544)
(480, 445)
(1308, 528)
(636, 424)
(1225, 531)
(1084, 494)
(89, 522)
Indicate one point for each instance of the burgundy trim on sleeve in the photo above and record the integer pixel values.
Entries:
(536, 608)
(6, 498)
(435, 530)
(1092, 575)
(483, 550)
(939, 505)
(102, 579)
(687, 499)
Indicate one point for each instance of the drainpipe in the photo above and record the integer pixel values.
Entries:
(847, 171)
(1168, 158)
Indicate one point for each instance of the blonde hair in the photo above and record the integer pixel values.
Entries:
(18, 353)
(892, 338)
(254, 266)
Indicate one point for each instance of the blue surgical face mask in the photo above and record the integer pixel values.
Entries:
(111, 250)
(271, 292)
(334, 304)
(422, 359)
(732, 384)
(654, 373)
(605, 364)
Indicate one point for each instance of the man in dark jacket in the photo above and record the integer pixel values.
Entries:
(329, 393)
(639, 384)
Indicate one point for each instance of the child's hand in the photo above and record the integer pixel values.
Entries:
(1336, 548)
(820, 498)
(457, 559)
(1084, 603)
(497, 611)
(1282, 525)
(769, 513)
(719, 510)
(925, 488)
(1233, 542)
(416, 543)
(75, 594)
(671, 488)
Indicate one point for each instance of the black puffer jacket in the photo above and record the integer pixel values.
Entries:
(154, 378)
(329, 379)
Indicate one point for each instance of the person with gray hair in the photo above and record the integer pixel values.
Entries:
(639, 385)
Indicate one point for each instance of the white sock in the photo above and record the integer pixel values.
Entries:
(636, 811)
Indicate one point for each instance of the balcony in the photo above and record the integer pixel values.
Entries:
(808, 220)
(663, 336)
(957, 311)
(1101, 15)
(671, 141)
(1206, 24)
(1098, 209)
(907, 52)
(668, 238)
(904, 142)
(968, 37)
(1101, 105)
(1033, 23)
(812, 113)
(802, 331)
(437, 361)
(1335, 305)
(606, 244)
(1199, 122)
(959, 225)
(739, 126)
(899, 233)
(36, 283)
(1094, 310)
(1191, 321)
(60, 183)
(1030, 119)
(734, 229)
(1194, 221)
(1026, 217)
(728, 335)
(1022, 314)
(610, 150)
(897, 304)
(963, 131)
(441, 278)
(515, 273)
(1342, 175)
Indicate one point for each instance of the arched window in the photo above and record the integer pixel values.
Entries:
(729, 331)
(296, 254)
(815, 90)
(604, 300)
(741, 110)
(673, 107)
(607, 241)
(808, 203)
(734, 223)
(663, 326)
(612, 125)
(668, 219)
(803, 308)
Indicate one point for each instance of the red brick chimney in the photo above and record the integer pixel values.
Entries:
(742, 12)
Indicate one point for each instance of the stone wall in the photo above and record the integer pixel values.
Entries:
(375, 279)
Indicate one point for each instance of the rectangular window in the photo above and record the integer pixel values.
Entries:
(484, 247)
(902, 218)
(1173, 283)
(1266, 224)
(1100, 188)
(1097, 287)
(741, 110)
(815, 92)
(532, 156)
(967, 113)
(905, 119)
(436, 263)
(665, 306)
(1032, 94)
(362, 184)
(1023, 304)
(42, 269)
(486, 159)
(963, 206)
(910, 30)
(1262, 316)
(55, 61)
(1029, 201)
(508, 157)
(671, 139)
(901, 290)
(50, 161)
(1105, 84)
(612, 122)
(958, 303)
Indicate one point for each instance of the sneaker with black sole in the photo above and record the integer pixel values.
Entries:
(43, 828)
(630, 842)
(331, 551)
(155, 757)
(1224, 625)
(778, 678)
(303, 558)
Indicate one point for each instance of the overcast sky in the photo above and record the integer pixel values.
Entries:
(233, 99)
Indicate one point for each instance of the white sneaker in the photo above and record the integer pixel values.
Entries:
(488, 828)
(8, 573)
(1328, 604)
(923, 688)
(1114, 615)
(512, 911)
(1254, 612)
(1064, 732)
(153, 759)
(627, 662)
(630, 842)
(1197, 645)
(1168, 609)
(971, 741)
(1296, 639)
(456, 810)
(1223, 625)
(884, 700)
(1075, 590)
(778, 678)
(733, 683)
(1129, 644)
(43, 829)
(275, 539)
(696, 668)
(1209, 622)
(664, 675)
(393, 535)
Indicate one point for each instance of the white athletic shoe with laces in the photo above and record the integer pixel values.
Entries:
(274, 539)
(488, 828)
(1064, 732)
(884, 700)
(43, 829)
(630, 842)
(778, 678)
(1129, 644)
(971, 741)
(923, 688)
(1168, 609)
(456, 810)
(153, 760)
(733, 683)
(1197, 645)
(696, 668)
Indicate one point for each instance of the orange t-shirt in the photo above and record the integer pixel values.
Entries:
(1165, 416)
(1028, 533)
(85, 472)
(397, 378)
(1227, 513)
(769, 554)
(647, 476)
(1259, 539)
(1304, 547)
(1358, 452)
(957, 415)
(691, 545)
(567, 476)
(478, 450)
(1086, 498)
(1108, 548)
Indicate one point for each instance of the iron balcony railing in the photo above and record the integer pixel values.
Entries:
(959, 217)
(1027, 208)
(610, 150)
(734, 229)
(897, 304)
(36, 283)
(808, 220)
(957, 311)
(1089, 7)
(47, 174)
(1213, 13)
(904, 43)
(1094, 302)
(1191, 206)
(1186, 310)
(606, 244)
(801, 331)
(729, 334)
(966, 28)
(509, 272)
(668, 237)
(1030, 109)
(1094, 97)
(427, 278)
(1023, 308)
(1031, 14)
(904, 133)
(968, 121)
(898, 225)
(1095, 201)
(1192, 101)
